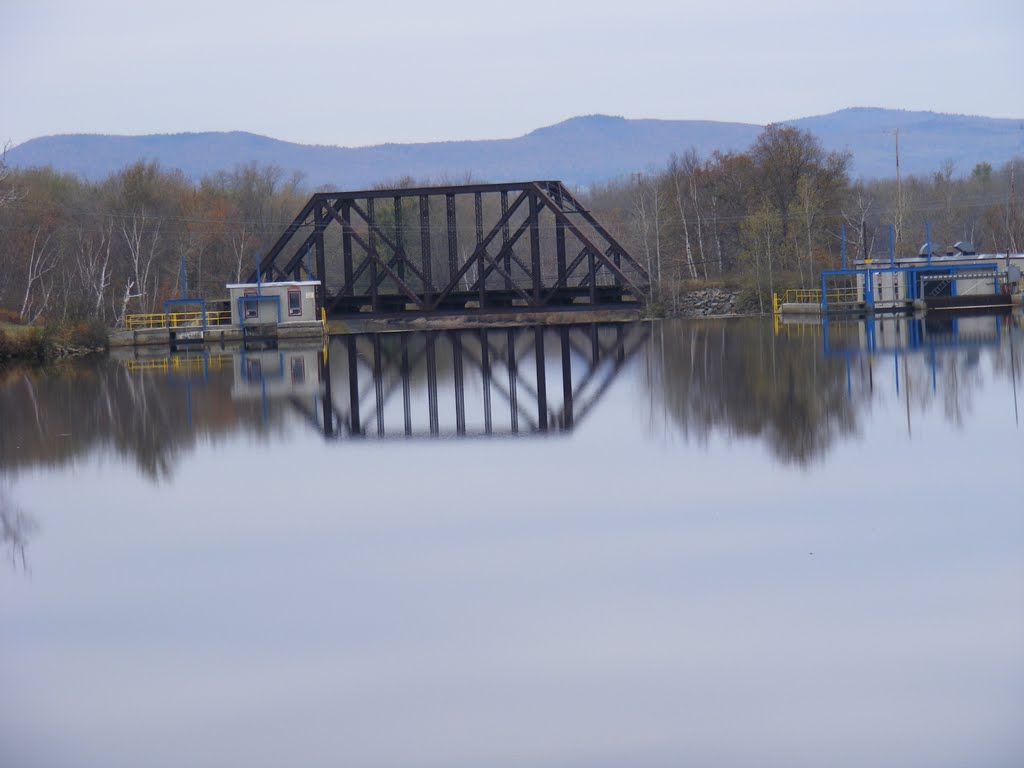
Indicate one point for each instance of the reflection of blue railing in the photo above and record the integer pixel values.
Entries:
(921, 337)
(915, 334)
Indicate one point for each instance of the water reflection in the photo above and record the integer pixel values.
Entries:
(301, 590)
(936, 360)
(472, 383)
(741, 380)
(15, 528)
(800, 388)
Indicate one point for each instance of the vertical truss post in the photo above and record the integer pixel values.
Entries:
(460, 385)
(406, 387)
(592, 275)
(346, 244)
(535, 247)
(399, 238)
(353, 387)
(318, 244)
(432, 382)
(542, 388)
(563, 333)
(478, 211)
(428, 277)
(378, 385)
(453, 236)
(504, 241)
(374, 288)
(560, 238)
(485, 374)
(513, 376)
(324, 361)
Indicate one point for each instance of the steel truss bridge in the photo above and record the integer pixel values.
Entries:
(474, 248)
(468, 383)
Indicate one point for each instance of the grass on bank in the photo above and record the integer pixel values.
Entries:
(19, 341)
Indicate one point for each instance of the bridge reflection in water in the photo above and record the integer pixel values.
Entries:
(463, 383)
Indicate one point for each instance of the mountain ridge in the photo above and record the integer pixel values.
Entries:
(580, 150)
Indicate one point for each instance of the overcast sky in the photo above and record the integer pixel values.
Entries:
(357, 73)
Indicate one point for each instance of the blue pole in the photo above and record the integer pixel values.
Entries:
(892, 248)
(842, 236)
(928, 240)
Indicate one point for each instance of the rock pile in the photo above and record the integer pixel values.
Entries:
(707, 302)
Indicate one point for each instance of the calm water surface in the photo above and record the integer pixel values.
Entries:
(663, 545)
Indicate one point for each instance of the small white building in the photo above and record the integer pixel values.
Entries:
(277, 303)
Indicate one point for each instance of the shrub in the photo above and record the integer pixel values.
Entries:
(10, 316)
(28, 345)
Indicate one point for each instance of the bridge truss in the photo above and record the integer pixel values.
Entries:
(468, 248)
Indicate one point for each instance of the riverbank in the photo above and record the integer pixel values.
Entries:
(41, 344)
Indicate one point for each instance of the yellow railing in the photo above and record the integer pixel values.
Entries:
(193, 319)
(813, 296)
(176, 364)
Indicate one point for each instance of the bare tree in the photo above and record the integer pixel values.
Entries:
(681, 174)
(142, 236)
(95, 270)
(7, 193)
(42, 258)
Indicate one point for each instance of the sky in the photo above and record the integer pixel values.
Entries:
(354, 74)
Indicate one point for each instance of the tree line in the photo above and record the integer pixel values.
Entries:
(770, 217)
(777, 214)
(72, 249)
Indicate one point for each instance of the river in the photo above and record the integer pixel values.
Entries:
(675, 543)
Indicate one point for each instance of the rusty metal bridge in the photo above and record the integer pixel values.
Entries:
(475, 248)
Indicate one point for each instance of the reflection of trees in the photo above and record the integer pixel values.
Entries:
(15, 528)
(738, 378)
(54, 415)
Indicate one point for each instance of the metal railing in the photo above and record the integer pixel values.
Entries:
(193, 319)
(177, 364)
(813, 296)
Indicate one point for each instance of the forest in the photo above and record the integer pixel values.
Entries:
(760, 220)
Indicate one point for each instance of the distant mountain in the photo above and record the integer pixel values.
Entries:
(579, 151)
(927, 139)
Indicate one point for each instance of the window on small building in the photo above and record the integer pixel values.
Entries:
(294, 302)
(298, 370)
(252, 309)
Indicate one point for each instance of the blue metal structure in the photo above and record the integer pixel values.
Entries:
(914, 278)
(201, 303)
(243, 300)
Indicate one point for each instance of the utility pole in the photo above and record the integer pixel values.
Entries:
(899, 194)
